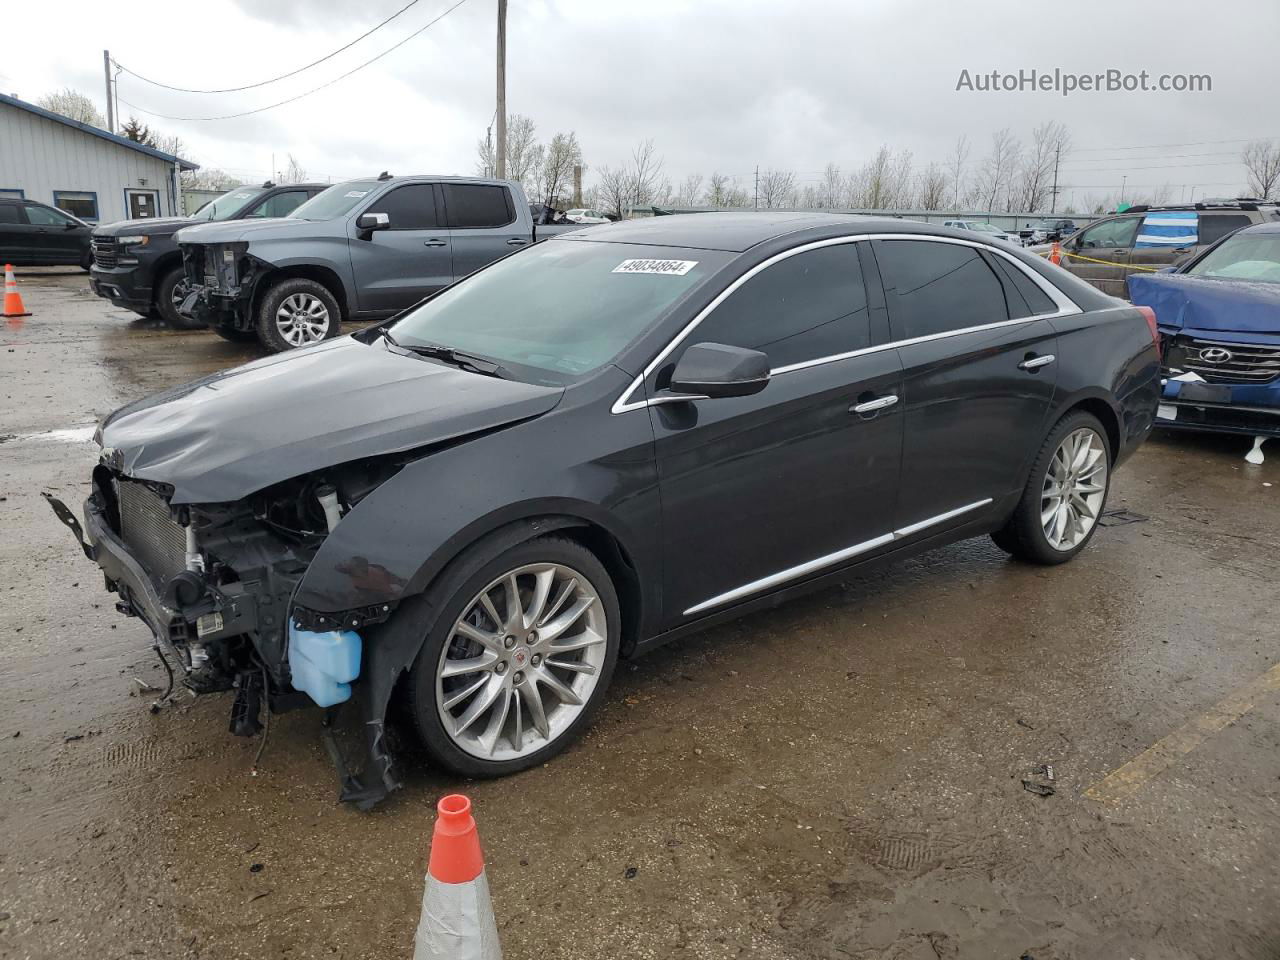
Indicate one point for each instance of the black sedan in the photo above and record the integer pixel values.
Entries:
(600, 444)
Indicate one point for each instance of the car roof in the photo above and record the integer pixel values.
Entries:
(1270, 226)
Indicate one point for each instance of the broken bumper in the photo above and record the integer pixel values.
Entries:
(1252, 410)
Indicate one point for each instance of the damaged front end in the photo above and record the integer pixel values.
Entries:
(215, 584)
(222, 279)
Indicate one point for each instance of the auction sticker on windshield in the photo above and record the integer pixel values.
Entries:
(675, 267)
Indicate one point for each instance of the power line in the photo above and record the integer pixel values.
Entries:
(1154, 146)
(283, 76)
(281, 103)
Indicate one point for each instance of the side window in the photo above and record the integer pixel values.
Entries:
(1215, 226)
(46, 216)
(9, 213)
(477, 205)
(411, 207)
(280, 205)
(1036, 300)
(936, 287)
(1111, 233)
(810, 305)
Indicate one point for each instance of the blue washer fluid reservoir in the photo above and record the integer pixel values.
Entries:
(324, 664)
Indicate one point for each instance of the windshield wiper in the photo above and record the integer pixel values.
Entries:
(458, 358)
(385, 334)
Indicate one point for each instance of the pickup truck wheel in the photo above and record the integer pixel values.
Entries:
(520, 646)
(296, 312)
(170, 292)
(1065, 494)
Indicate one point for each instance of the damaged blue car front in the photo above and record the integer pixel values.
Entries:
(1219, 323)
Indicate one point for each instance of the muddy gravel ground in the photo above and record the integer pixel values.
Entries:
(839, 777)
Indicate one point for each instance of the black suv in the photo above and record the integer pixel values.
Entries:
(137, 264)
(36, 235)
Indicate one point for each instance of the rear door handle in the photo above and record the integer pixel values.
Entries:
(871, 406)
(516, 242)
(1035, 363)
(435, 243)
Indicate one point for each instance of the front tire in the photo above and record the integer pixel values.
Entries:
(170, 292)
(297, 312)
(520, 648)
(1065, 494)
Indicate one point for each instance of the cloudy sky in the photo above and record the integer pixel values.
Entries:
(720, 85)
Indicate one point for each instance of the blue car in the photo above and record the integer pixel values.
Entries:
(1219, 321)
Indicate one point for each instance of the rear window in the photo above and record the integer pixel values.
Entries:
(9, 213)
(1037, 300)
(477, 205)
(938, 287)
(1215, 226)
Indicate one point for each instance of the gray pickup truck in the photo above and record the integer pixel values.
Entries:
(361, 250)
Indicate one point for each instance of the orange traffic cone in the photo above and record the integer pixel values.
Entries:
(457, 915)
(12, 298)
(1055, 254)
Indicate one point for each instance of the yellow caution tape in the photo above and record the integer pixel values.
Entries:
(1105, 263)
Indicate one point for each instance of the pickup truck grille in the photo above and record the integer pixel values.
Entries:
(1221, 362)
(146, 527)
(105, 252)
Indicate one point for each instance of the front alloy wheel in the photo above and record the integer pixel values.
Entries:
(1074, 489)
(302, 318)
(521, 662)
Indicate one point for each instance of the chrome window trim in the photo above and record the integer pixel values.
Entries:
(813, 566)
(1066, 307)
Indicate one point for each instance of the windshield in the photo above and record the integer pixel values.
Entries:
(229, 204)
(335, 202)
(561, 308)
(1243, 256)
(985, 228)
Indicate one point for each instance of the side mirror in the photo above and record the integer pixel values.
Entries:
(718, 370)
(71, 225)
(370, 222)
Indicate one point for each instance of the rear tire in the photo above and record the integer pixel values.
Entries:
(170, 291)
(532, 714)
(1065, 495)
(296, 312)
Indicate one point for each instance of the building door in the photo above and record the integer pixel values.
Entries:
(143, 204)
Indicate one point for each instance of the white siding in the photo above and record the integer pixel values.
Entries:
(39, 156)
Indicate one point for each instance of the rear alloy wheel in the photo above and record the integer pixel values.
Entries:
(1065, 494)
(522, 661)
(296, 313)
(170, 292)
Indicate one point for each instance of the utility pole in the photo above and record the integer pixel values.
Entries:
(756, 203)
(1057, 156)
(111, 110)
(502, 90)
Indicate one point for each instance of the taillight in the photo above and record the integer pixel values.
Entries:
(1150, 316)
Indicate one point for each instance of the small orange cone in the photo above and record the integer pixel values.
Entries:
(12, 298)
(457, 915)
(1055, 254)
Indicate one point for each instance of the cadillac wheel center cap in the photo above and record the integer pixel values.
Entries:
(520, 657)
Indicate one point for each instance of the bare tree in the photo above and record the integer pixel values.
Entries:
(294, 172)
(831, 189)
(997, 170)
(1261, 159)
(208, 179)
(932, 188)
(649, 186)
(777, 188)
(955, 166)
(555, 179)
(690, 191)
(73, 104)
(613, 191)
(723, 192)
(1032, 184)
(883, 182)
(524, 153)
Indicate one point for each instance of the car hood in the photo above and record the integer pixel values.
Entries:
(230, 231)
(1183, 302)
(150, 225)
(222, 438)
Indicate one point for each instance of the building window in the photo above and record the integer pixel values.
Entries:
(14, 192)
(78, 203)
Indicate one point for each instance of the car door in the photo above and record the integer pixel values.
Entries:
(763, 491)
(979, 370)
(1164, 237)
(1100, 253)
(16, 235)
(482, 223)
(397, 267)
(56, 237)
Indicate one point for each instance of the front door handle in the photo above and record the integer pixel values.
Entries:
(878, 403)
(1035, 363)
(516, 242)
(435, 243)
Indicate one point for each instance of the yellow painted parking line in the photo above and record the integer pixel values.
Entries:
(1127, 780)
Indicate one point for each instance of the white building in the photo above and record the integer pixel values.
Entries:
(95, 175)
